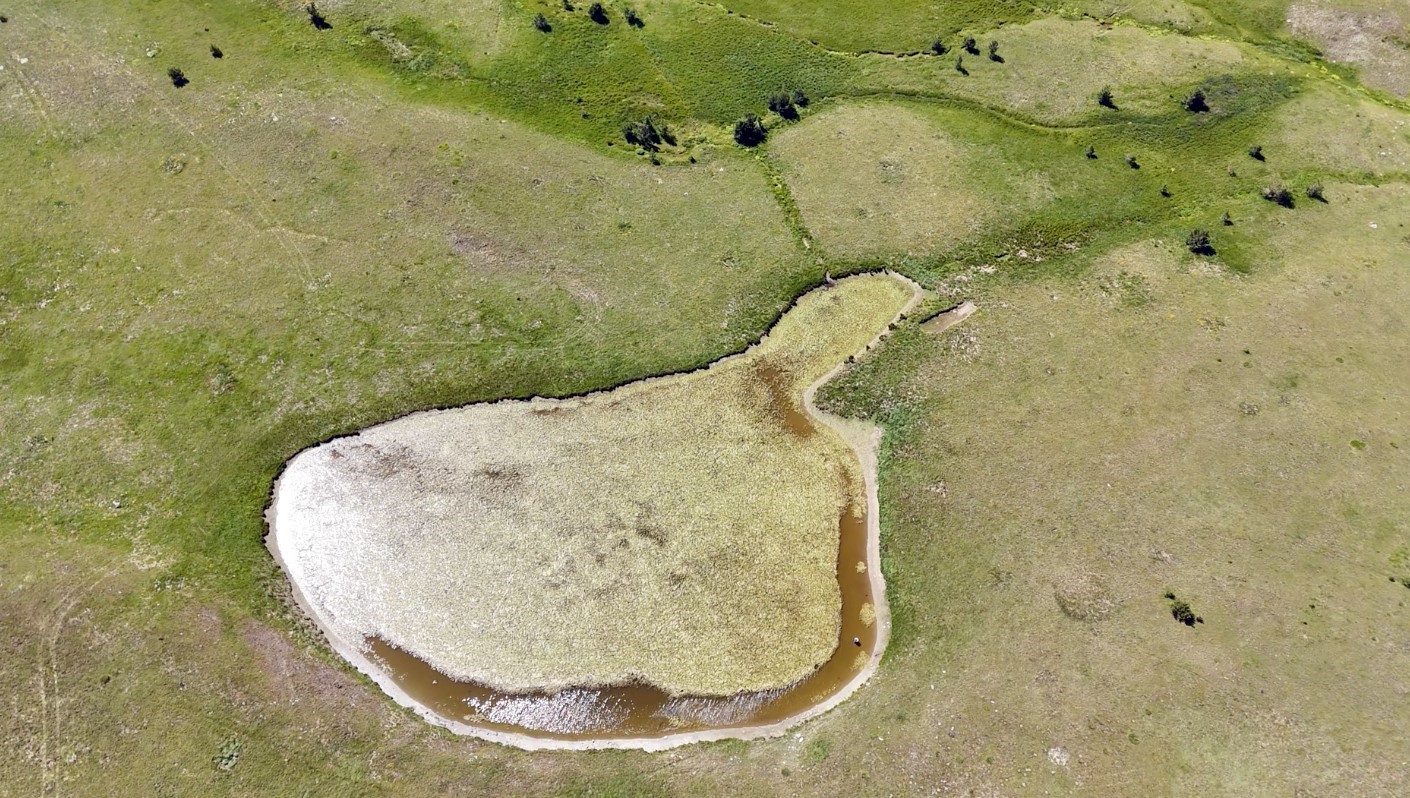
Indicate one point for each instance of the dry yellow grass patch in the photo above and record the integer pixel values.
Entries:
(1334, 130)
(679, 530)
(881, 179)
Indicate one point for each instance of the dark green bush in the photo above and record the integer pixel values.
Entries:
(1199, 242)
(316, 19)
(1279, 194)
(750, 131)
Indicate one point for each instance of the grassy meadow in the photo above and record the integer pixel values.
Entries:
(432, 204)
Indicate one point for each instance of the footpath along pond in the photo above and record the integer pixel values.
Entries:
(683, 558)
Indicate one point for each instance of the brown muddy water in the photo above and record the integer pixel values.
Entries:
(643, 711)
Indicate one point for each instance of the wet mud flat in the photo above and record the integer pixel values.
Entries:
(643, 711)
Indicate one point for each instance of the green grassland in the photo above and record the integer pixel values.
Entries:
(432, 204)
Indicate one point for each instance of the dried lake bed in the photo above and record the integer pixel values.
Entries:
(681, 558)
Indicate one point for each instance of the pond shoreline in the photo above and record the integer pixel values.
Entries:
(864, 440)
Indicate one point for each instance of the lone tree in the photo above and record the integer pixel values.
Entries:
(800, 99)
(782, 104)
(1132, 162)
(938, 47)
(1256, 152)
(317, 19)
(1278, 193)
(1314, 191)
(1196, 102)
(1104, 98)
(648, 134)
(750, 131)
(971, 46)
(1198, 242)
(541, 23)
(598, 14)
(178, 78)
(959, 65)
(216, 52)
(1091, 152)
(633, 18)
(994, 52)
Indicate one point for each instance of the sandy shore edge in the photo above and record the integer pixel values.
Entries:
(865, 441)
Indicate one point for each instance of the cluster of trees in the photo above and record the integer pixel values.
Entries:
(648, 133)
(751, 132)
(938, 47)
(786, 105)
(596, 12)
(1280, 194)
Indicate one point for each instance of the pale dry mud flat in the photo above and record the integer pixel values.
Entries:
(679, 532)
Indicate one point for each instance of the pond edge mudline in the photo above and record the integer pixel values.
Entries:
(862, 437)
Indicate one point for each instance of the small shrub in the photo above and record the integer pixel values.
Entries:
(229, 755)
(1132, 162)
(1104, 98)
(3, 19)
(216, 52)
(1165, 191)
(1199, 243)
(568, 6)
(1279, 194)
(633, 18)
(1227, 220)
(178, 78)
(1180, 610)
(541, 24)
(971, 46)
(938, 47)
(800, 99)
(1196, 103)
(1091, 152)
(318, 21)
(959, 65)
(1315, 192)
(1256, 152)
(994, 52)
(782, 104)
(750, 131)
(598, 14)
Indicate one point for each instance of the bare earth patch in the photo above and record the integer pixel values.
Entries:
(1376, 41)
